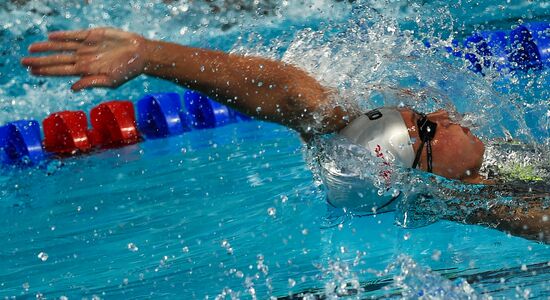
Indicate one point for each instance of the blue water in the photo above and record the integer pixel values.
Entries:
(235, 212)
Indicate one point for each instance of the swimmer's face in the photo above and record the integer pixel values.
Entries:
(456, 152)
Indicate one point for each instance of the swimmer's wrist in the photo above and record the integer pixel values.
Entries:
(149, 55)
(162, 58)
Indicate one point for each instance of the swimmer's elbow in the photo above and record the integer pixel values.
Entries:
(304, 105)
(315, 111)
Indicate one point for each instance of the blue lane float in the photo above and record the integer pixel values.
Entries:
(158, 115)
(484, 45)
(21, 143)
(526, 47)
(536, 39)
(161, 115)
(541, 37)
(204, 112)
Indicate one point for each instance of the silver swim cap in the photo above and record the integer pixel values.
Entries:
(383, 132)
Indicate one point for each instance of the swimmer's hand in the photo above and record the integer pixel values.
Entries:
(102, 57)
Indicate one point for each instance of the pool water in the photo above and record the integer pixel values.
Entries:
(235, 212)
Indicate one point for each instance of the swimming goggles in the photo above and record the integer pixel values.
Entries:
(426, 132)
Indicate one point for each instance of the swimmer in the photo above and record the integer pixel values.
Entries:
(282, 93)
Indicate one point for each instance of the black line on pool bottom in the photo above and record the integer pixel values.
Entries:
(486, 276)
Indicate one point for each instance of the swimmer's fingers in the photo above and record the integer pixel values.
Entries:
(67, 36)
(93, 81)
(59, 70)
(54, 46)
(51, 60)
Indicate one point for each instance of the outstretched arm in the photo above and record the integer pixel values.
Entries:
(531, 222)
(265, 89)
(527, 217)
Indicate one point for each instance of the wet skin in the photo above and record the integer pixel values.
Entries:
(456, 152)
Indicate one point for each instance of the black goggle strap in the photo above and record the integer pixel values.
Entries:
(426, 131)
(429, 153)
(418, 154)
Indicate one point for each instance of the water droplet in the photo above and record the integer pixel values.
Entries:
(43, 256)
(225, 244)
(291, 283)
(395, 193)
(132, 247)
(436, 255)
(185, 249)
(524, 267)
(131, 60)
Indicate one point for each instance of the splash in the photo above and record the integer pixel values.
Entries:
(402, 279)
(415, 281)
(371, 61)
(378, 58)
(509, 161)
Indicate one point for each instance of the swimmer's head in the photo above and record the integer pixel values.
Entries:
(429, 142)
(384, 132)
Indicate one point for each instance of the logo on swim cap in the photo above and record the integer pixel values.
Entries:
(374, 114)
(383, 127)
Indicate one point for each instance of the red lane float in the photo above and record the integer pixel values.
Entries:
(66, 132)
(114, 124)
